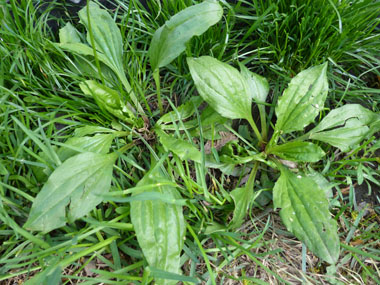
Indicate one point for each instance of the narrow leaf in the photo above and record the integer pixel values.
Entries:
(345, 127)
(160, 227)
(221, 86)
(305, 213)
(169, 41)
(298, 151)
(80, 181)
(302, 100)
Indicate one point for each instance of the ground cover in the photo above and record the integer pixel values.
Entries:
(118, 164)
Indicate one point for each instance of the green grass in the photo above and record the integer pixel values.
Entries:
(41, 106)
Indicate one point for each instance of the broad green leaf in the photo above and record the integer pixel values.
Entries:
(345, 127)
(107, 36)
(321, 181)
(80, 181)
(302, 100)
(160, 227)
(107, 99)
(258, 85)
(221, 86)
(68, 34)
(99, 144)
(107, 40)
(169, 41)
(298, 151)
(84, 49)
(305, 213)
(182, 112)
(242, 198)
(182, 148)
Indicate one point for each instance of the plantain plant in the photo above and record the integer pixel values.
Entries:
(300, 194)
(81, 169)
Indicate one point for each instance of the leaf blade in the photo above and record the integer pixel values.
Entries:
(169, 41)
(302, 100)
(107, 99)
(72, 178)
(304, 211)
(242, 198)
(185, 150)
(160, 227)
(345, 126)
(221, 86)
(100, 143)
(298, 151)
(107, 36)
(258, 85)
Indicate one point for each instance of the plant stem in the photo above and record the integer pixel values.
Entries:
(254, 127)
(263, 119)
(156, 76)
(203, 253)
(252, 176)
